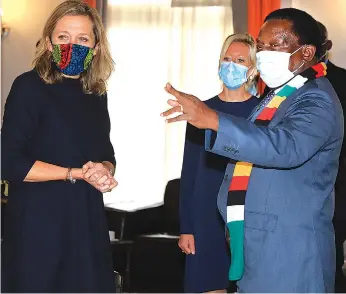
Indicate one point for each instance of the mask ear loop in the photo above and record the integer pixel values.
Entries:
(294, 52)
(250, 77)
(298, 67)
(302, 62)
(51, 43)
(96, 41)
(324, 55)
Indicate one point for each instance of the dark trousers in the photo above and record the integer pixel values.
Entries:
(340, 237)
(232, 287)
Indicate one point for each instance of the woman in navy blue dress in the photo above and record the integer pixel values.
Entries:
(202, 229)
(58, 158)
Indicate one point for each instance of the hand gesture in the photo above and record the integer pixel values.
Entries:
(193, 110)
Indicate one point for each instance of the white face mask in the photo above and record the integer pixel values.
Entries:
(273, 67)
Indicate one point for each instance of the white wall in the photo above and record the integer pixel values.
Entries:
(26, 19)
(332, 13)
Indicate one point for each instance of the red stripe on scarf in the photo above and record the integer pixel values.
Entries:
(267, 114)
(320, 69)
(239, 183)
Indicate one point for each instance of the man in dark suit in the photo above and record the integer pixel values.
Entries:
(337, 77)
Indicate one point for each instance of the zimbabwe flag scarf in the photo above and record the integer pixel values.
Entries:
(242, 171)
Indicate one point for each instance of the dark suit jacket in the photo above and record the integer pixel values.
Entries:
(337, 77)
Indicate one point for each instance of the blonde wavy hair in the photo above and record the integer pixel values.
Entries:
(250, 42)
(94, 79)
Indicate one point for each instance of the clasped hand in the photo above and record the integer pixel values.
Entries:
(97, 175)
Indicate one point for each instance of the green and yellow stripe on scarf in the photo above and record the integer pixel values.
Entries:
(242, 172)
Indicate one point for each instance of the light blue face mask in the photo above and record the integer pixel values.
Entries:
(233, 75)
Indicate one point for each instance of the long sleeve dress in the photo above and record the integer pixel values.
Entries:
(201, 177)
(56, 236)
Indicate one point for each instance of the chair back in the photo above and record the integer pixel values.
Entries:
(171, 207)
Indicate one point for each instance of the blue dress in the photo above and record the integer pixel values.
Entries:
(56, 235)
(201, 177)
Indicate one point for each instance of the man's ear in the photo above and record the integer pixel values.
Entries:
(308, 52)
(329, 45)
(49, 44)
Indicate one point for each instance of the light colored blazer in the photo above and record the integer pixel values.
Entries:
(289, 236)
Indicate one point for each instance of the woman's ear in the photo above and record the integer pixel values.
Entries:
(96, 49)
(252, 72)
(49, 44)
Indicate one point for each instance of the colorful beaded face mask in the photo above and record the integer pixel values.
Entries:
(72, 59)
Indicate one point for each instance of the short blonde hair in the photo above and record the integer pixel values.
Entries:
(94, 79)
(250, 42)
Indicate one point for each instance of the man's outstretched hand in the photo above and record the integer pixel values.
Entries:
(191, 109)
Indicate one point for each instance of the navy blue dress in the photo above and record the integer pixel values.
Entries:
(201, 177)
(56, 237)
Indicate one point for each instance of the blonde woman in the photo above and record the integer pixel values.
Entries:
(202, 229)
(58, 158)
